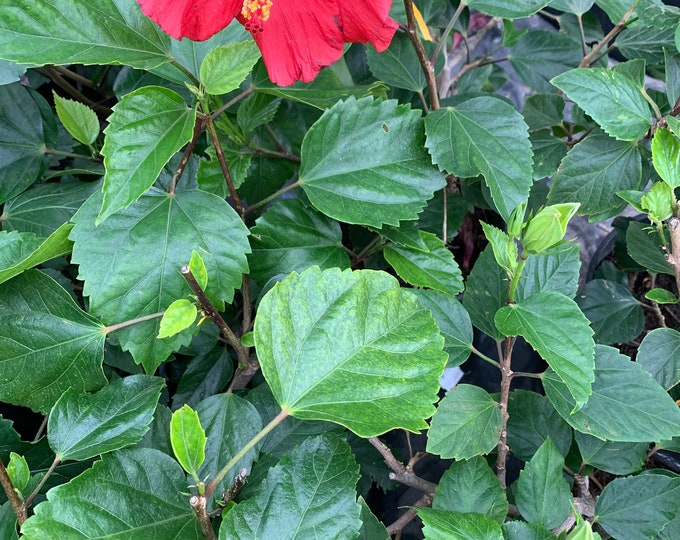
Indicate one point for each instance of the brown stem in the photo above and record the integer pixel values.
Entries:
(52, 73)
(64, 71)
(428, 68)
(506, 379)
(199, 504)
(232, 102)
(274, 154)
(400, 473)
(586, 62)
(214, 316)
(225, 168)
(674, 255)
(409, 515)
(48, 473)
(12, 495)
(199, 127)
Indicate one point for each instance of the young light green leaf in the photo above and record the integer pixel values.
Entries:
(610, 98)
(142, 276)
(471, 486)
(614, 313)
(435, 268)
(532, 420)
(78, 119)
(659, 355)
(467, 423)
(314, 328)
(486, 136)
(178, 316)
(504, 247)
(453, 322)
(70, 32)
(666, 156)
(188, 439)
(47, 343)
(618, 458)
(445, 525)
(147, 127)
(654, 499)
(289, 237)
(508, 10)
(363, 162)
(583, 531)
(659, 202)
(626, 405)
(554, 325)
(82, 425)
(21, 251)
(22, 151)
(18, 471)
(225, 68)
(198, 269)
(133, 493)
(322, 473)
(593, 172)
(661, 296)
(543, 495)
(521, 530)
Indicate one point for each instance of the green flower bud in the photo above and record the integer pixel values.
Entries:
(516, 220)
(547, 228)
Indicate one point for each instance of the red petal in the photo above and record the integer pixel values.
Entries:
(367, 21)
(299, 38)
(194, 19)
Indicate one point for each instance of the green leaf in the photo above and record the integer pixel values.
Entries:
(188, 439)
(142, 276)
(593, 171)
(225, 68)
(198, 270)
(541, 55)
(543, 495)
(618, 458)
(385, 185)
(206, 374)
(133, 493)
(289, 237)
(21, 251)
(646, 42)
(554, 270)
(434, 268)
(487, 136)
(18, 471)
(532, 420)
(78, 119)
(554, 325)
(42, 209)
(453, 322)
(661, 296)
(256, 110)
(666, 156)
(229, 422)
(9, 439)
(310, 493)
(82, 426)
(644, 246)
(23, 136)
(672, 65)
(147, 127)
(471, 486)
(521, 530)
(467, 424)
(638, 507)
(543, 111)
(614, 313)
(486, 293)
(549, 151)
(659, 355)
(626, 405)
(76, 32)
(371, 528)
(313, 329)
(178, 316)
(47, 344)
(508, 10)
(504, 246)
(659, 202)
(577, 7)
(610, 98)
(444, 525)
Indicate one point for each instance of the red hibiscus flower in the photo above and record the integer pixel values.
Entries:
(297, 37)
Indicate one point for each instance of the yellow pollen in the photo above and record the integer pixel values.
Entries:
(259, 8)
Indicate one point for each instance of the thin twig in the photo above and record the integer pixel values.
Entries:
(48, 473)
(506, 379)
(426, 65)
(586, 62)
(674, 255)
(56, 77)
(199, 127)
(409, 515)
(655, 306)
(231, 102)
(12, 495)
(399, 472)
(200, 506)
(225, 168)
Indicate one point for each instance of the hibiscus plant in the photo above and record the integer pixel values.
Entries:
(249, 247)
